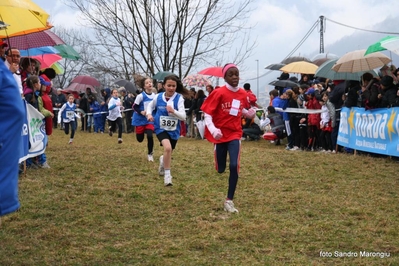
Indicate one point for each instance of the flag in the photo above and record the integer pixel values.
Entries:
(33, 131)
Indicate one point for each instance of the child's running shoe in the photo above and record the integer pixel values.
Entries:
(229, 206)
(168, 180)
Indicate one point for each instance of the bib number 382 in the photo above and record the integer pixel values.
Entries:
(168, 123)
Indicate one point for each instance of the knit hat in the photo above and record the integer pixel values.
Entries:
(386, 81)
(227, 67)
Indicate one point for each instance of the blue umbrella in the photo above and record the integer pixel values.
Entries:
(39, 51)
(326, 71)
(63, 50)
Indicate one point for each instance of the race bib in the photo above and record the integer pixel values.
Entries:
(235, 107)
(168, 123)
(146, 105)
(70, 115)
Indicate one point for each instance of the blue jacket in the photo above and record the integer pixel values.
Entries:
(10, 137)
(283, 104)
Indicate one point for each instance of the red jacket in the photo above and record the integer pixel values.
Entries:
(313, 119)
(48, 105)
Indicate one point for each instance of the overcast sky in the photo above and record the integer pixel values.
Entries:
(280, 25)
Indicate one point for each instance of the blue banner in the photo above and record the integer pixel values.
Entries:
(375, 131)
(24, 148)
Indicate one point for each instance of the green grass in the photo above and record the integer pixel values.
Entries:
(103, 204)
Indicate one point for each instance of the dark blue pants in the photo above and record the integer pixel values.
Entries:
(233, 148)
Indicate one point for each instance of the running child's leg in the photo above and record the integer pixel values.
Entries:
(234, 148)
(220, 154)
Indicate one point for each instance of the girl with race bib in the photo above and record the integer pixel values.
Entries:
(114, 114)
(67, 114)
(223, 110)
(143, 126)
(169, 109)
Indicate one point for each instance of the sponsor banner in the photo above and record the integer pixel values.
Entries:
(33, 134)
(375, 131)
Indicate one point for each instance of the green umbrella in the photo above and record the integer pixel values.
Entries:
(67, 51)
(381, 45)
(326, 71)
(162, 74)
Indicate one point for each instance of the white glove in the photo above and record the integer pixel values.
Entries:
(250, 113)
(216, 132)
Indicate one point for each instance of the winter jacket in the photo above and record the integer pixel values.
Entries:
(12, 116)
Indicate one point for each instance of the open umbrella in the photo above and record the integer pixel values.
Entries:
(86, 80)
(65, 51)
(162, 74)
(356, 61)
(80, 87)
(46, 60)
(326, 71)
(58, 68)
(212, 71)
(41, 42)
(390, 43)
(301, 67)
(324, 55)
(292, 59)
(320, 61)
(128, 85)
(38, 51)
(36, 39)
(74, 93)
(275, 66)
(284, 84)
(197, 80)
(23, 17)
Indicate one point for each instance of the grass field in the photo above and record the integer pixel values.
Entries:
(102, 203)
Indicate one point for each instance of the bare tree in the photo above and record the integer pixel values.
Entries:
(72, 67)
(144, 37)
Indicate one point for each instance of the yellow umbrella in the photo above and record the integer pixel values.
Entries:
(58, 68)
(301, 67)
(23, 17)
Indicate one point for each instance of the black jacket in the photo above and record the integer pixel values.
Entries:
(389, 97)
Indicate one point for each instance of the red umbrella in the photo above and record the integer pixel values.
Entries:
(86, 80)
(34, 40)
(212, 71)
(79, 88)
(74, 93)
(46, 60)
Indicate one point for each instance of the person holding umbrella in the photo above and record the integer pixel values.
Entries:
(13, 58)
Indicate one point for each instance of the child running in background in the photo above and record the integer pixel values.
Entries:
(143, 126)
(67, 114)
(169, 106)
(223, 110)
(95, 110)
(115, 117)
